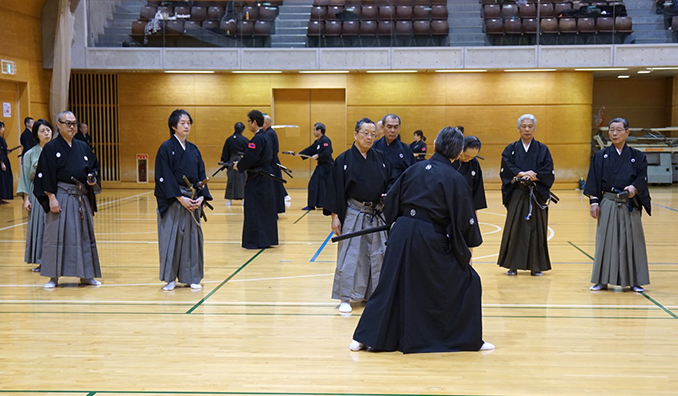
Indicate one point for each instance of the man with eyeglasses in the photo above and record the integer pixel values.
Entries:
(66, 174)
(358, 180)
(398, 154)
(260, 226)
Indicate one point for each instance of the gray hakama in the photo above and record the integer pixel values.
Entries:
(359, 259)
(621, 257)
(69, 246)
(235, 184)
(180, 241)
(34, 235)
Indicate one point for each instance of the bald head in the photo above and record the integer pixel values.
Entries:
(268, 121)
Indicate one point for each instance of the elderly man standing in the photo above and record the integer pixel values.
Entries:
(66, 174)
(398, 154)
(358, 180)
(527, 176)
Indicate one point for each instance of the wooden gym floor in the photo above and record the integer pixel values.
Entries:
(264, 323)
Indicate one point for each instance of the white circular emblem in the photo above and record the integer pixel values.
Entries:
(633, 160)
(472, 221)
(161, 180)
(384, 165)
(345, 166)
(172, 152)
(85, 157)
(401, 155)
(605, 156)
(40, 175)
(317, 147)
(58, 154)
(428, 166)
(473, 173)
(553, 171)
(501, 170)
(413, 212)
(513, 152)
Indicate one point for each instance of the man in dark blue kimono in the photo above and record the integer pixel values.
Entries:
(180, 238)
(429, 297)
(398, 154)
(617, 189)
(233, 149)
(260, 226)
(321, 151)
(6, 176)
(27, 140)
(468, 166)
(527, 176)
(280, 192)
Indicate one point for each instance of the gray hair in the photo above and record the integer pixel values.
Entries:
(449, 142)
(527, 117)
(62, 114)
(619, 119)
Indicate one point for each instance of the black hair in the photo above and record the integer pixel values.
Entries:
(383, 120)
(461, 128)
(449, 142)
(27, 119)
(174, 118)
(257, 117)
(362, 121)
(471, 142)
(320, 126)
(239, 127)
(619, 119)
(37, 124)
(420, 133)
(2, 124)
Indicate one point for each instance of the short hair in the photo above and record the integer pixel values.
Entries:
(27, 120)
(2, 124)
(383, 120)
(471, 142)
(527, 117)
(174, 118)
(239, 127)
(460, 127)
(60, 116)
(619, 119)
(80, 124)
(320, 126)
(361, 122)
(256, 116)
(420, 133)
(36, 127)
(449, 142)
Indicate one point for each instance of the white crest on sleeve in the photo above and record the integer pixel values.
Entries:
(604, 155)
(472, 221)
(383, 165)
(317, 147)
(501, 170)
(513, 152)
(86, 159)
(633, 160)
(428, 166)
(401, 155)
(172, 152)
(345, 166)
(473, 173)
(413, 212)
(40, 175)
(58, 154)
(553, 171)
(161, 180)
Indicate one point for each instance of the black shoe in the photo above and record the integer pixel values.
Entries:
(308, 208)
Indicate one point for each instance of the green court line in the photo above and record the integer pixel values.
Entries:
(302, 216)
(663, 308)
(202, 300)
(91, 394)
(577, 247)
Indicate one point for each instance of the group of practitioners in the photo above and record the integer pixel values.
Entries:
(409, 222)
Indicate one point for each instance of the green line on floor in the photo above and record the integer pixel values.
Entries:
(577, 247)
(302, 216)
(663, 308)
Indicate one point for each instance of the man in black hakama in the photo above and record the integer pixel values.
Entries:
(6, 176)
(527, 176)
(321, 151)
(468, 166)
(280, 192)
(180, 237)
(234, 147)
(359, 178)
(27, 140)
(69, 246)
(398, 154)
(618, 192)
(429, 297)
(260, 226)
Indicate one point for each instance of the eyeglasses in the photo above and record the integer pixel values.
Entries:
(69, 124)
(367, 134)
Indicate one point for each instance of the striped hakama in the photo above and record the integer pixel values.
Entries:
(34, 235)
(621, 256)
(69, 246)
(180, 241)
(359, 259)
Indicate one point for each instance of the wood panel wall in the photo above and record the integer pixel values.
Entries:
(644, 102)
(487, 104)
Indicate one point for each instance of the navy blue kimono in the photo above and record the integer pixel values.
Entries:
(317, 185)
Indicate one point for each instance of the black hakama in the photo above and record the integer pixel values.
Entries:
(524, 244)
(419, 150)
(473, 175)
(279, 189)
(260, 226)
(317, 185)
(429, 297)
(398, 154)
(6, 176)
(234, 147)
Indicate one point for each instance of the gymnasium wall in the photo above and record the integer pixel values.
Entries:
(487, 104)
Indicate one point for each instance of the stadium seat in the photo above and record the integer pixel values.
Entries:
(568, 26)
(586, 25)
(421, 12)
(215, 13)
(174, 28)
(528, 10)
(198, 13)
(315, 28)
(268, 13)
(138, 28)
(549, 26)
(369, 12)
(509, 10)
(494, 26)
(385, 28)
(440, 27)
(332, 12)
(438, 11)
(318, 12)
(623, 24)
(386, 12)
(492, 11)
(262, 28)
(244, 28)
(530, 26)
(403, 12)
(228, 28)
(605, 25)
(147, 13)
(546, 10)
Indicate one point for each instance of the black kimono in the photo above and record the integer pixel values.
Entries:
(474, 178)
(429, 297)
(84, 138)
(621, 255)
(6, 177)
(260, 226)
(317, 185)
(279, 188)
(233, 149)
(523, 244)
(27, 141)
(398, 154)
(419, 150)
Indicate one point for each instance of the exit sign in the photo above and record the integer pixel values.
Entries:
(8, 67)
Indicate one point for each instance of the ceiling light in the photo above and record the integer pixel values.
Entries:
(256, 71)
(624, 76)
(644, 71)
(602, 69)
(190, 71)
(663, 68)
(391, 71)
(324, 72)
(529, 70)
(462, 71)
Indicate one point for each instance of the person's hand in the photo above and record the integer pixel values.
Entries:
(27, 204)
(532, 175)
(93, 183)
(595, 211)
(54, 206)
(3, 167)
(187, 203)
(314, 156)
(336, 224)
(632, 190)
(235, 165)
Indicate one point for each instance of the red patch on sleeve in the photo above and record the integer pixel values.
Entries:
(326, 144)
(252, 145)
(423, 149)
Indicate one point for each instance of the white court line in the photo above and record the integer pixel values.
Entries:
(493, 225)
(280, 277)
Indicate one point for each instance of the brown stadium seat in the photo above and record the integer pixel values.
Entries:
(350, 28)
(421, 28)
(568, 25)
(438, 11)
(509, 10)
(494, 26)
(492, 11)
(560, 7)
(315, 28)
(138, 28)
(174, 28)
(369, 11)
(623, 24)
(181, 10)
(262, 28)
(530, 26)
(322, 2)
(549, 26)
(332, 28)
(421, 12)
(210, 25)
(332, 12)
(546, 10)
(605, 25)
(229, 28)
(215, 13)
(440, 27)
(404, 28)
(337, 2)
(318, 12)
(386, 12)
(368, 28)
(192, 26)
(586, 25)
(250, 13)
(528, 10)
(166, 9)
(403, 12)
(674, 24)
(147, 13)
(268, 13)
(513, 26)
(244, 28)
(198, 13)
(385, 28)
